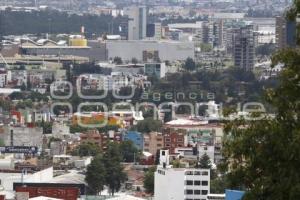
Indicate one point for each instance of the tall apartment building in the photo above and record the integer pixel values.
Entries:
(180, 183)
(207, 32)
(285, 33)
(173, 140)
(244, 47)
(218, 33)
(137, 22)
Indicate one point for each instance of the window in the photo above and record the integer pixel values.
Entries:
(188, 173)
(197, 182)
(205, 183)
(189, 191)
(205, 173)
(179, 140)
(188, 182)
(167, 140)
(204, 192)
(197, 173)
(198, 192)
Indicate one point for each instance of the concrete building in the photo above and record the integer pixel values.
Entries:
(100, 139)
(94, 51)
(115, 81)
(244, 47)
(180, 183)
(22, 136)
(218, 33)
(150, 51)
(137, 24)
(173, 140)
(153, 142)
(91, 136)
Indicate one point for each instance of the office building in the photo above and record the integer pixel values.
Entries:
(180, 183)
(244, 47)
(137, 22)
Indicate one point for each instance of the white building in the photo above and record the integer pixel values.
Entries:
(114, 81)
(180, 183)
(7, 179)
(150, 50)
(3, 79)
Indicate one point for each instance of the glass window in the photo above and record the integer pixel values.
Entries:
(205, 183)
(205, 173)
(197, 173)
(188, 173)
(189, 191)
(197, 192)
(204, 192)
(189, 182)
(197, 182)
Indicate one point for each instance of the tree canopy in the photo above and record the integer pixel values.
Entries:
(262, 156)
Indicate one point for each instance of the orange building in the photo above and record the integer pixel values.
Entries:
(95, 118)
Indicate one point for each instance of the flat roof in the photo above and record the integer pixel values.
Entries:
(55, 47)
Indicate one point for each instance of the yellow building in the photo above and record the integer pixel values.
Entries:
(78, 42)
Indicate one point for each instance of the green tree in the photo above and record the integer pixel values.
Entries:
(118, 60)
(149, 180)
(115, 175)
(134, 61)
(263, 156)
(129, 151)
(87, 149)
(148, 125)
(95, 175)
(177, 164)
(189, 64)
(204, 162)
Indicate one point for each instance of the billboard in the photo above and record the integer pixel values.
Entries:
(19, 149)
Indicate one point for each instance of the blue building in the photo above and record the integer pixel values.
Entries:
(136, 137)
(234, 195)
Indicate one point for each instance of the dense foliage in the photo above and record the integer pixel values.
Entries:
(263, 156)
(51, 21)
